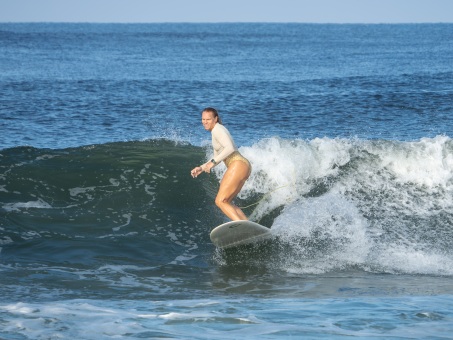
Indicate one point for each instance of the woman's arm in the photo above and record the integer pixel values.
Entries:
(222, 141)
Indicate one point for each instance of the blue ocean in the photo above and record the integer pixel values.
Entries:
(105, 235)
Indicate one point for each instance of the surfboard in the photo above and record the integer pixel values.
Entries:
(236, 233)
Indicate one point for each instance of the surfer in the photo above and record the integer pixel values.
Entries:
(238, 167)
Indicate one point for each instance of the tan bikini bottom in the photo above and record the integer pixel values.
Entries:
(236, 156)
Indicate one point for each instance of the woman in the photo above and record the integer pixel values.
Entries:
(238, 167)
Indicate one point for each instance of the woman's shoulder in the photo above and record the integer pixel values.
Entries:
(221, 133)
(218, 128)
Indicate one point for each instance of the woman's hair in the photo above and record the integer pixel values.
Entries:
(214, 112)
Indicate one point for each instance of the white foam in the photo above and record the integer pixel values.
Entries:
(114, 182)
(5, 240)
(293, 162)
(128, 218)
(284, 170)
(330, 233)
(38, 204)
(398, 258)
(89, 319)
(45, 157)
(428, 162)
(332, 225)
(82, 191)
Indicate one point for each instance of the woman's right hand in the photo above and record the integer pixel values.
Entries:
(196, 171)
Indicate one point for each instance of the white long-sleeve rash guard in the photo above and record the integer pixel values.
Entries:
(222, 142)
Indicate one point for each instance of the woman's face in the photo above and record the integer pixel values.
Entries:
(208, 120)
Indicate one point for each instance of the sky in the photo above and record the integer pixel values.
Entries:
(151, 11)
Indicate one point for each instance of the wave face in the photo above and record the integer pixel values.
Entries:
(333, 204)
(88, 204)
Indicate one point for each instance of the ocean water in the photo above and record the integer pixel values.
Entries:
(105, 235)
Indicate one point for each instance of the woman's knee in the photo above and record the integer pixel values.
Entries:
(220, 200)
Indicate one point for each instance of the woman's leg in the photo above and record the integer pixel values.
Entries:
(232, 182)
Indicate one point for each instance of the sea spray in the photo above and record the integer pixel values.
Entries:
(360, 203)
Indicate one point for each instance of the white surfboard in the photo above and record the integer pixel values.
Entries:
(236, 233)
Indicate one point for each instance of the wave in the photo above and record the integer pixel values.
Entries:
(332, 204)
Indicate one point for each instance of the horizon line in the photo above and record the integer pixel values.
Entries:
(229, 22)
